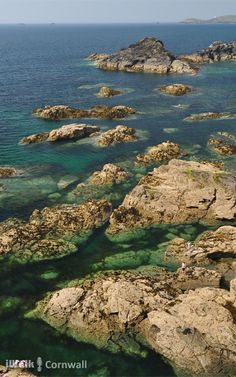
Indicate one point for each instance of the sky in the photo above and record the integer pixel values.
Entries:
(111, 11)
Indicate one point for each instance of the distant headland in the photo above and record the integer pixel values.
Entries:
(230, 19)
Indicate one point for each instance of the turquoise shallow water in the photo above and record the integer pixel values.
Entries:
(42, 65)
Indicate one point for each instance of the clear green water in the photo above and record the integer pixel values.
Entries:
(46, 65)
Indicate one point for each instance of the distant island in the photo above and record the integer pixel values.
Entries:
(231, 19)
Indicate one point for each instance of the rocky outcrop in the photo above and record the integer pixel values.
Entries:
(209, 247)
(120, 310)
(208, 116)
(176, 89)
(15, 372)
(196, 333)
(180, 192)
(110, 174)
(147, 55)
(108, 92)
(99, 310)
(160, 152)
(6, 172)
(217, 51)
(221, 147)
(120, 134)
(67, 132)
(64, 112)
(51, 232)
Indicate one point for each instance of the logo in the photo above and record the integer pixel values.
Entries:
(40, 364)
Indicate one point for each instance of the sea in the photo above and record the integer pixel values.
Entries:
(47, 65)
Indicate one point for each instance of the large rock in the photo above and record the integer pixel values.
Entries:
(160, 152)
(209, 247)
(51, 232)
(197, 333)
(109, 175)
(6, 172)
(120, 134)
(217, 51)
(108, 92)
(147, 55)
(180, 192)
(208, 116)
(63, 112)
(117, 311)
(103, 309)
(67, 132)
(176, 89)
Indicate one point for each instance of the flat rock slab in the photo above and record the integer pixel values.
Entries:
(180, 192)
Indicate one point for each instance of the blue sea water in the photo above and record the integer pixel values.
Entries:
(42, 65)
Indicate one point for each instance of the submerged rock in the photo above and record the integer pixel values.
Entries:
(120, 134)
(6, 172)
(160, 152)
(67, 132)
(108, 92)
(180, 192)
(222, 147)
(109, 175)
(51, 232)
(208, 116)
(123, 310)
(147, 55)
(102, 111)
(176, 89)
(208, 247)
(224, 143)
(217, 51)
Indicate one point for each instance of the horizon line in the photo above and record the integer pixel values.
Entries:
(108, 23)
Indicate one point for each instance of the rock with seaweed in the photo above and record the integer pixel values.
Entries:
(66, 112)
(52, 232)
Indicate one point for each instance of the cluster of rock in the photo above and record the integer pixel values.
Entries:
(160, 152)
(109, 175)
(222, 144)
(108, 92)
(147, 55)
(51, 232)
(67, 132)
(176, 89)
(63, 112)
(217, 51)
(210, 246)
(209, 116)
(120, 134)
(6, 172)
(180, 192)
(186, 318)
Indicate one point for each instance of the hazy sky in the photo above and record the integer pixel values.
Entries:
(89, 11)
